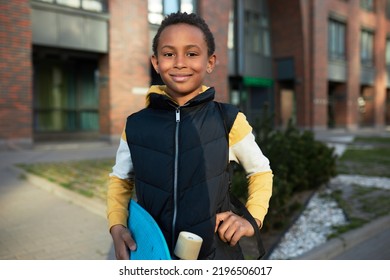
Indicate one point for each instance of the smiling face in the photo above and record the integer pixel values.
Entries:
(182, 61)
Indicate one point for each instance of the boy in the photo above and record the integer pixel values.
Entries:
(175, 152)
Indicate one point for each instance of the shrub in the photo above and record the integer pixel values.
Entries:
(299, 163)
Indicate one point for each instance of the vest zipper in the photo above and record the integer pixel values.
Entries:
(177, 115)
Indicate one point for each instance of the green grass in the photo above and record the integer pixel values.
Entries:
(87, 177)
(373, 160)
(368, 156)
(372, 140)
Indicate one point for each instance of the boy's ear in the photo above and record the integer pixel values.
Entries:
(211, 63)
(154, 61)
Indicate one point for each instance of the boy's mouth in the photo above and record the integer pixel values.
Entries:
(180, 77)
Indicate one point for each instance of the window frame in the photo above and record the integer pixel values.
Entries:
(78, 4)
(367, 45)
(155, 16)
(337, 49)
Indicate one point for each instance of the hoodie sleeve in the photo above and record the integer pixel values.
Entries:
(120, 186)
(244, 150)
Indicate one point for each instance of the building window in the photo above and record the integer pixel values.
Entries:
(367, 47)
(388, 9)
(231, 30)
(257, 33)
(66, 96)
(367, 5)
(336, 40)
(97, 6)
(157, 9)
(388, 52)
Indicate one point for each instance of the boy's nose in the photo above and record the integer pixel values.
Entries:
(180, 61)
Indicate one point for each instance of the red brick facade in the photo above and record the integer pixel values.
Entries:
(126, 64)
(300, 30)
(124, 71)
(15, 72)
(218, 21)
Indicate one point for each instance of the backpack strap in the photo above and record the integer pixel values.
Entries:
(229, 115)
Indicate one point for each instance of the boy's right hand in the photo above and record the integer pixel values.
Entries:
(123, 242)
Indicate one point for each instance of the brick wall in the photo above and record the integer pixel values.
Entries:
(127, 66)
(289, 37)
(217, 18)
(15, 73)
(381, 71)
(300, 30)
(353, 68)
(319, 64)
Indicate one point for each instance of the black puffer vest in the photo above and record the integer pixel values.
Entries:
(180, 157)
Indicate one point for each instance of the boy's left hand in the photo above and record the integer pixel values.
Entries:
(231, 227)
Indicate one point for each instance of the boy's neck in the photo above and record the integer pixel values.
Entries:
(183, 99)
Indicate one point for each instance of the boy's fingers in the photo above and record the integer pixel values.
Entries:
(129, 241)
(231, 227)
(122, 253)
(123, 242)
(220, 217)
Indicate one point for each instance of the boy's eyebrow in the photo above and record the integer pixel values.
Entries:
(188, 46)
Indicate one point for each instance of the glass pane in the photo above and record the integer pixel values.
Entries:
(71, 120)
(88, 97)
(187, 6)
(88, 94)
(65, 96)
(367, 5)
(264, 21)
(50, 97)
(92, 5)
(171, 6)
(89, 121)
(336, 43)
(70, 3)
(367, 41)
(388, 9)
(256, 42)
(155, 8)
(388, 52)
(266, 43)
(332, 38)
(231, 30)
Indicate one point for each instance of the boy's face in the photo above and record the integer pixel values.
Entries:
(182, 61)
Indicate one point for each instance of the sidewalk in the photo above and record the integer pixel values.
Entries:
(371, 242)
(40, 220)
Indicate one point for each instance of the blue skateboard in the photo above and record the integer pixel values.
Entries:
(151, 244)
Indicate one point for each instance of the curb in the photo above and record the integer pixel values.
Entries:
(346, 241)
(93, 205)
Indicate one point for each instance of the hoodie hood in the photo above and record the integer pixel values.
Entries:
(161, 90)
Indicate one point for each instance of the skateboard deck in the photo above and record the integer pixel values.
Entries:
(151, 244)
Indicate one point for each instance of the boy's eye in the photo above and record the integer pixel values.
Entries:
(192, 54)
(168, 54)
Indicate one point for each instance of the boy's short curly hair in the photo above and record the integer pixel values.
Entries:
(191, 19)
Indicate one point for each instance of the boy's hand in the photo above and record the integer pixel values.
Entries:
(231, 227)
(122, 242)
